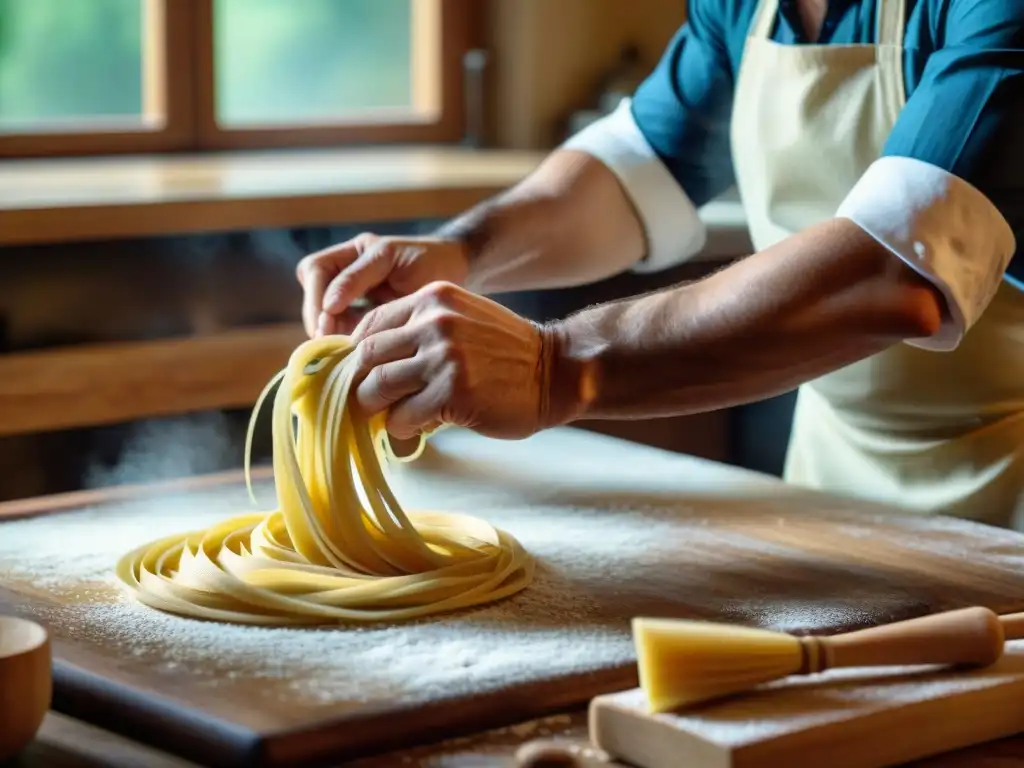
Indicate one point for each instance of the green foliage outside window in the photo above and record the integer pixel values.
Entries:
(277, 60)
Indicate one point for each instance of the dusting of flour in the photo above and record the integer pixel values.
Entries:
(698, 540)
(552, 629)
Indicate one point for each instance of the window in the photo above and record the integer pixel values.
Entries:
(61, 65)
(91, 76)
(100, 76)
(312, 66)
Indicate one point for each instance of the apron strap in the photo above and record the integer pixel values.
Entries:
(764, 19)
(891, 19)
(891, 22)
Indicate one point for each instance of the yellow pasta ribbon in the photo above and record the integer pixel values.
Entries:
(339, 547)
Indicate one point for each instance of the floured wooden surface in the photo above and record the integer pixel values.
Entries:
(617, 529)
(551, 628)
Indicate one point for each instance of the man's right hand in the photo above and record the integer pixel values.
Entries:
(376, 268)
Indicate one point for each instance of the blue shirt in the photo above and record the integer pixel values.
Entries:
(964, 73)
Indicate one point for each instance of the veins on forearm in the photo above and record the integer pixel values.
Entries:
(821, 300)
(569, 223)
(500, 236)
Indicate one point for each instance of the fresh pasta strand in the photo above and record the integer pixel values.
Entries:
(339, 547)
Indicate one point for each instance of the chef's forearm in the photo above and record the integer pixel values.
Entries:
(568, 223)
(820, 300)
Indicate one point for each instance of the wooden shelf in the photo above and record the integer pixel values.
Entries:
(110, 383)
(65, 200)
(69, 200)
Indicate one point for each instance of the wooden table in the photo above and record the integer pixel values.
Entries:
(64, 742)
(67, 743)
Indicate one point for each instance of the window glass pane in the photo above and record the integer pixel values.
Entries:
(311, 61)
(71, 61)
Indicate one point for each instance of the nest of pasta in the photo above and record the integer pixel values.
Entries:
(339, 547)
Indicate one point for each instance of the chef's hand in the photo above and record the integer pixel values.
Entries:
(444, 355)
(375, 268)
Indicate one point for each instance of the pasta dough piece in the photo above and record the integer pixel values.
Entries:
(339, 547)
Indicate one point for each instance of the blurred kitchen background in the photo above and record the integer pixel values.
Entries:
(164, 164)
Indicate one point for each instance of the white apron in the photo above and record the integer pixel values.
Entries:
(935, 432)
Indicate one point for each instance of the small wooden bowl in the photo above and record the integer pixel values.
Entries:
(26, 683)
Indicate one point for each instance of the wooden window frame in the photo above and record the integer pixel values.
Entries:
(168, 47)
(180, 40)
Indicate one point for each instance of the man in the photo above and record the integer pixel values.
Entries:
(873, 144)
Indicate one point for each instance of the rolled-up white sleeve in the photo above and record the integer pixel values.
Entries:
(943, 228)
(674, 231)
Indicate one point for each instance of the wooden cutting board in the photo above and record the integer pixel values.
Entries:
(842, 719)
(618, 530)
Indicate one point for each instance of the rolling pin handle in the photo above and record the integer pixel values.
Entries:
(967, 637)
(1013, 626)
(815, 656)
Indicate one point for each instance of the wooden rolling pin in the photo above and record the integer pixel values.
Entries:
(1013, 625)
